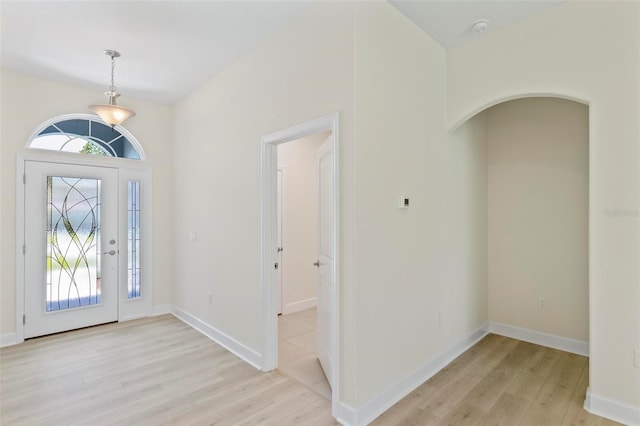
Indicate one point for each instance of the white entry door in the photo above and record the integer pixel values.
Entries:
(325, 258)
(71, 247)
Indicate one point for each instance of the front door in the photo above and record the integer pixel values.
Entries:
(71, 247)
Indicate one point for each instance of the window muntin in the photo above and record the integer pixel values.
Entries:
(85, 136)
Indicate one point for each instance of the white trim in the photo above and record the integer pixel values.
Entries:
(232, 345)
(160, 310)
(612, 410)
(269, 318)
(132, 317)
(540, 338)
(8, 339)
(347, 415)
(378, 405)
(300, 305)
(20, 244)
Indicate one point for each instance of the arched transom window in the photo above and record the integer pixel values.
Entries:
(86, 134)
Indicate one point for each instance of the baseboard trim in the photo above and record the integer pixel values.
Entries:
(300, 305)
(378, 405)
(8, 339)
(232, 345)
(612, 410)
(160, 310)
(540, 338)
(347, 415)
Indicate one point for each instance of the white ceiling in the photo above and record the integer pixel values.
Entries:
(449, 22)
(171, 47)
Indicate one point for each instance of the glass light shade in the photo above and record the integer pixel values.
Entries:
(112, 114)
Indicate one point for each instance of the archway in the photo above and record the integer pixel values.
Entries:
(538, 217)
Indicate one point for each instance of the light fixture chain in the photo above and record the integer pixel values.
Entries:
(113, 67)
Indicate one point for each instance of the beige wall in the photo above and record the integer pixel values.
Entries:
(588, 51)
(538, 161)
(33, 101)
(302, 72)
(299, 163)
(412, 283)
(430, 261)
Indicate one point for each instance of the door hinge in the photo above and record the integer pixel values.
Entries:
(24, 178)
(24, 319)
(24, 249)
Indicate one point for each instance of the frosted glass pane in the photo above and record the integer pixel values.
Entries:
(73, 240)
(133, 236)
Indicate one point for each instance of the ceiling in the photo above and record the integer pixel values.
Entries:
(171, 47)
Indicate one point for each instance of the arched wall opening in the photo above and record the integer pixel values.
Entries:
(536, 176)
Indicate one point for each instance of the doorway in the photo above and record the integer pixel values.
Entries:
(325, 259)
(299, 271)
(76, 207)
(84, 248)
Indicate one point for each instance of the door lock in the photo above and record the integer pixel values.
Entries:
(276, 266)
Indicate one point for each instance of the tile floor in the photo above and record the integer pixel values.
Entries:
(297, 351)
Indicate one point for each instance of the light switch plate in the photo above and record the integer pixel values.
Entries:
(403, 202)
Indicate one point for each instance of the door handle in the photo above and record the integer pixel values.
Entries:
(280, 249)
(110, 252)
(316, 263)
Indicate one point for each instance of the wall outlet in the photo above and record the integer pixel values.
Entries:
(636, 357)
(210, 297)
(542, 304)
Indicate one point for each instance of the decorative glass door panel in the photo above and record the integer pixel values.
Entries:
(133, 239)
(73, 242)
(71, 247)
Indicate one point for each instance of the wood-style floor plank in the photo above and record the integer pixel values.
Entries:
(501, 381)
(145, 372)
(159, 371)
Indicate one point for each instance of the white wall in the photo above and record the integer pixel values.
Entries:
(299, 163)
(26, 103)
(588, 51)
(538, 163)
(412, 266)
(303, 71)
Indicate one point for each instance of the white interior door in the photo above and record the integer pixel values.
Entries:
(280, 247)
(325, 257)
(71, 247)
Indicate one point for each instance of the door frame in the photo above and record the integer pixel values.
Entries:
(127, 170)
(270, 144)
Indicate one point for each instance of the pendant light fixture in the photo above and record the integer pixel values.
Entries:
(112, 113)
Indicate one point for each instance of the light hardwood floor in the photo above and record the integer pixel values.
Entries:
(159, 371)
(155, 371)
(501, 381)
